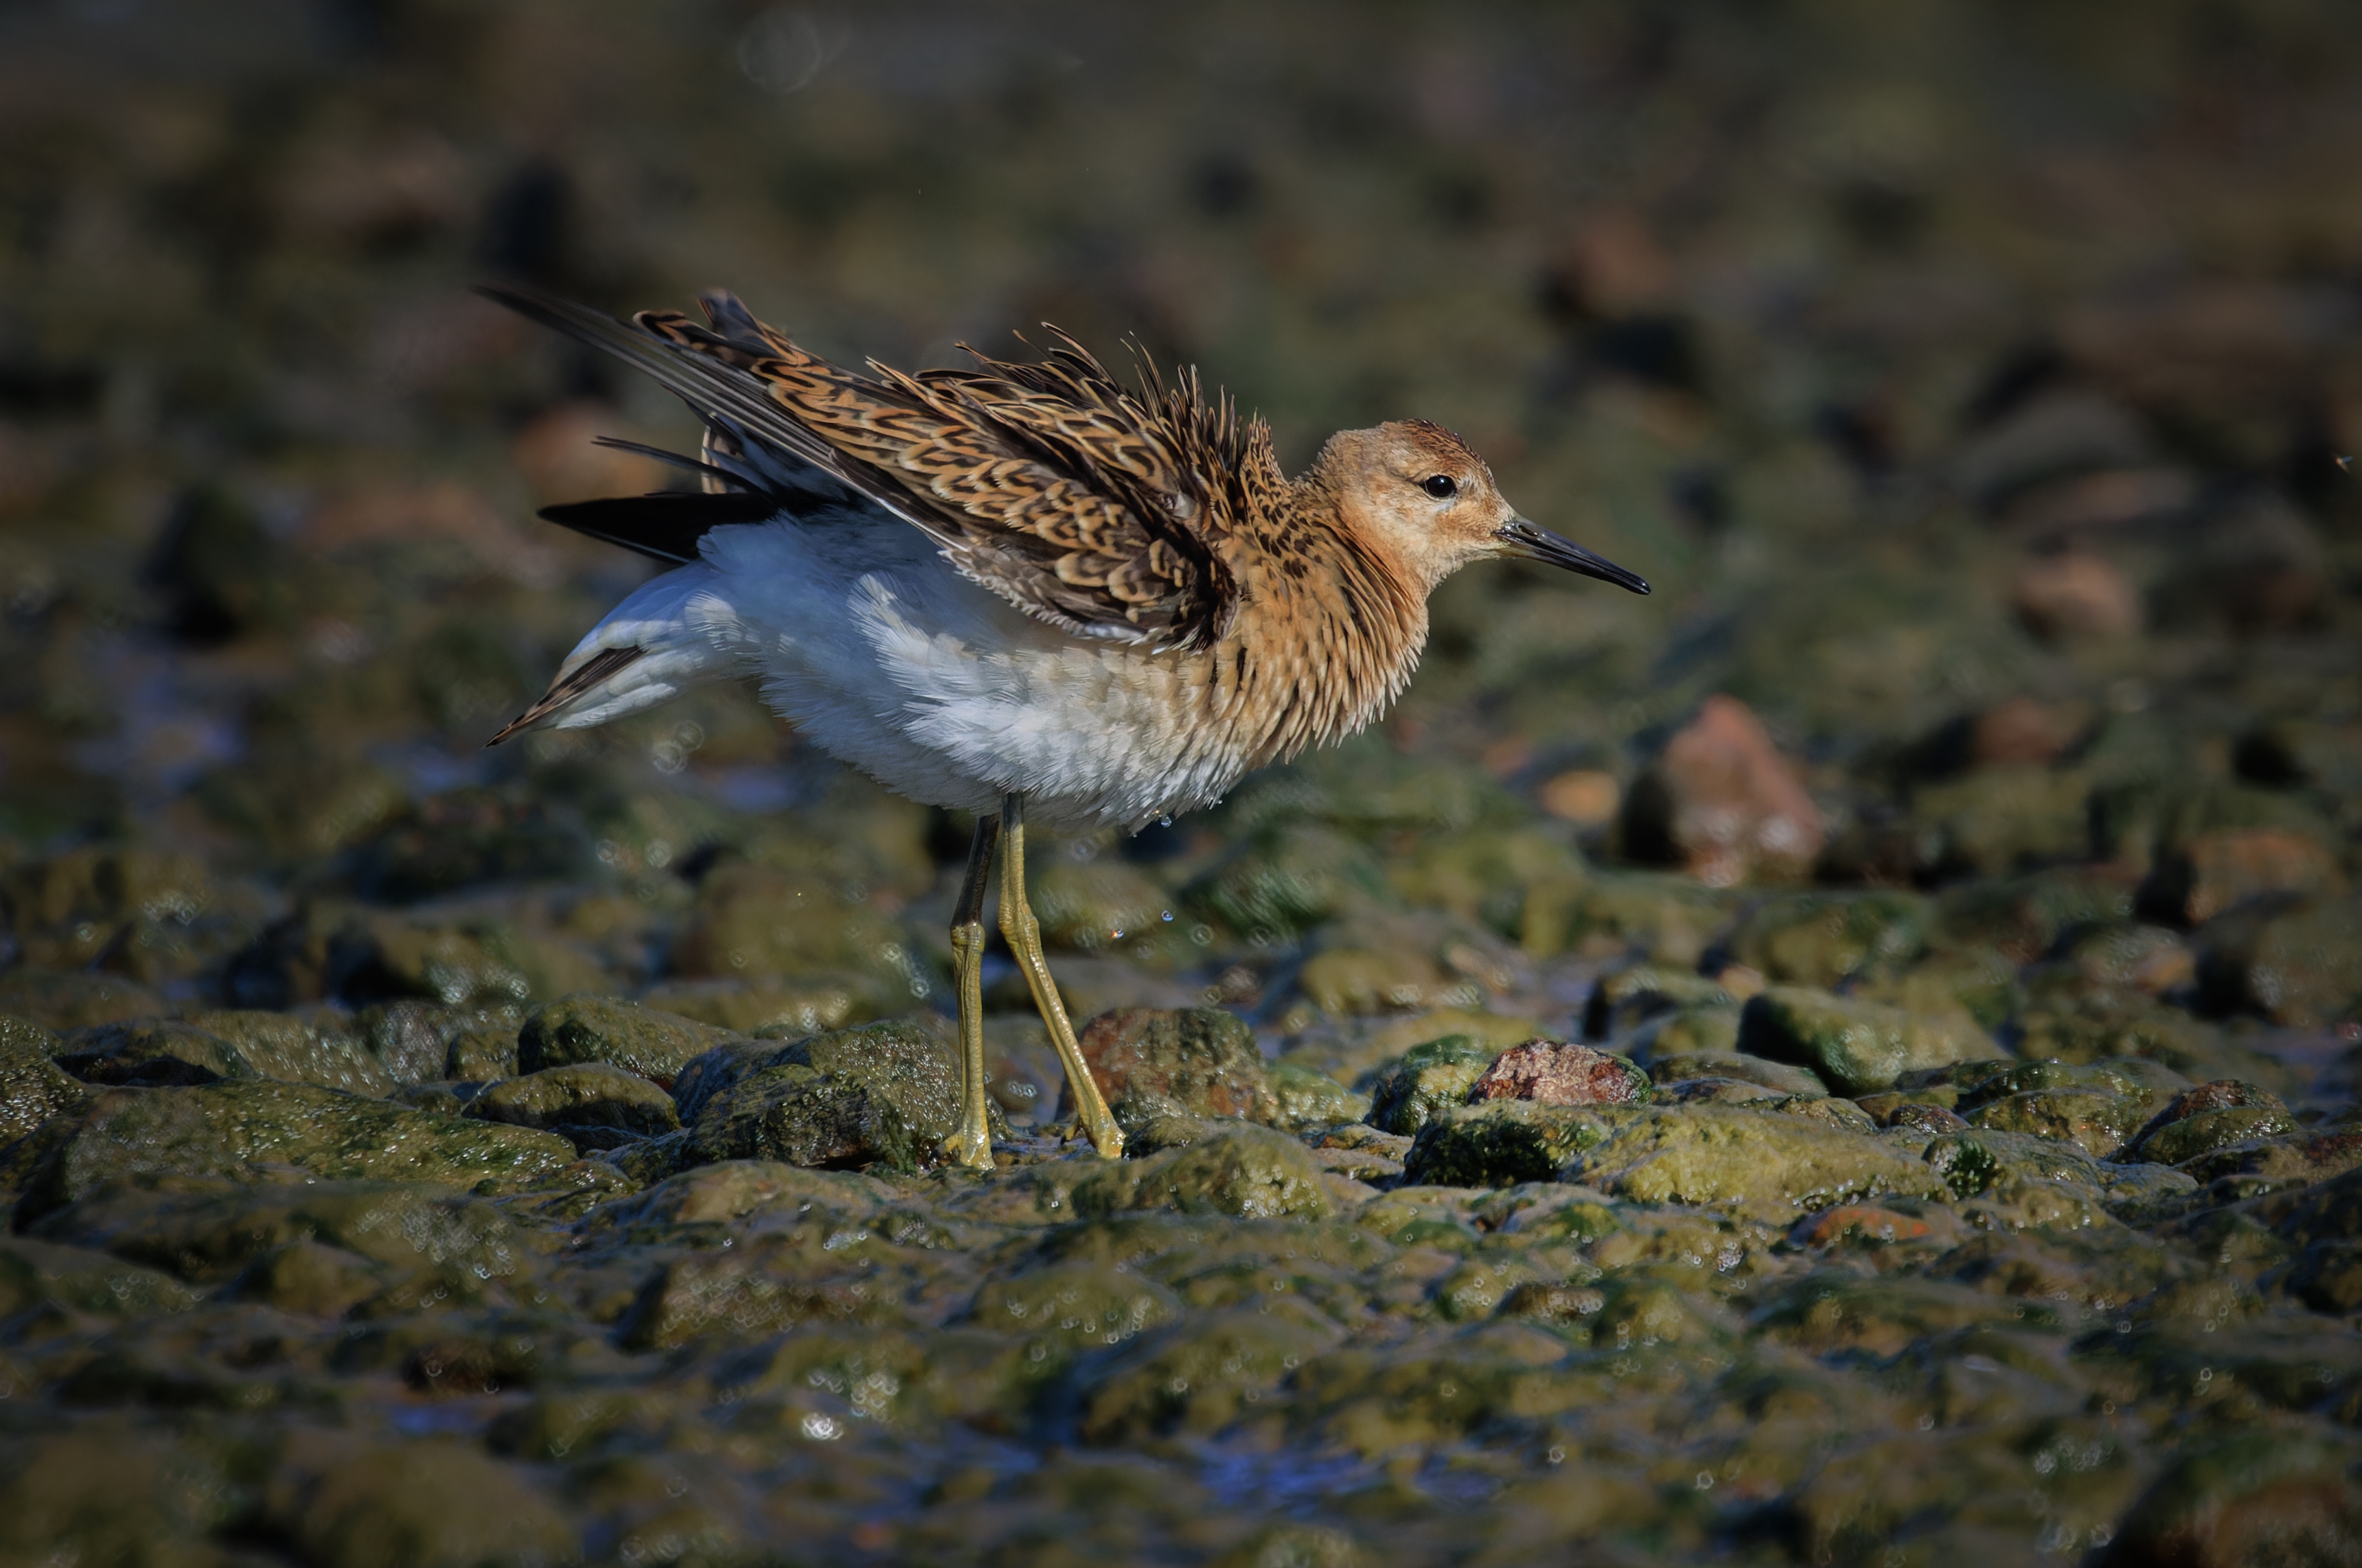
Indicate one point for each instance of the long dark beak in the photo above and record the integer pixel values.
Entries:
(1536, 543)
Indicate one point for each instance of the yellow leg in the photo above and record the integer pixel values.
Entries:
(972, 1145)
(1025, 935)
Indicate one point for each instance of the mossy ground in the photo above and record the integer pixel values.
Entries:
(1972, 384)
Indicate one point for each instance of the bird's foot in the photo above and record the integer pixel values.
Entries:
(970, 1146)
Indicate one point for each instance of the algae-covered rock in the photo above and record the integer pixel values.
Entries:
(1633, 995)
(1198, 1061)
(1306, 1097)
(1857, 1046)
(1501, 1143)
(209, 1046)
(757, 1287)
(262, 1130)
(1686, 1031)
(35, 1273)
(2210, 1117)
(1821, 939)
(1195, 1375)
(424, 1506)
(208, 1235)
(585, 1094)
(32, 1086)
(76, 999)
(1242, 1170)
(803, 1004)
(885, 1093)
(2299, 967)
(1286, 881)
(2253, 1497)
(2098, 1124)
(655, 1045)
(1779, 1077)
(1759, 1160)
(1075, 1306)
(480, 1055)
(1429, 1079)
(1552, 1072)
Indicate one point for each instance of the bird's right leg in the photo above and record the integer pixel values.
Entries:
(972, 1145)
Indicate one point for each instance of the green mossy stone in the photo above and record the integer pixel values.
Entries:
(585, 1094)
(2187, 1138)
(1630, 996)
(655, 1045)
(1074, 1307)
(2098, 1124)
(204, 1236)
(1238, 1169)
(1760, 1161)
(424, 1506)
(1780, 1076)
(1308, 1099)
(480, 1055)
(210, 1046)
(2301, 966)
(1688, 1032)
(1425, 1080)
(36, 1273)
(1857, 1047)
(75, 999)
(262, 1130)
(1821, 939)
(885, 1094)
(2265, 1495)
(1196, 1376)
(756, 1288)
(1286, 880)
(33, 1087)
(1503, 1142)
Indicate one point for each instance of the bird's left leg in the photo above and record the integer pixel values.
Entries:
(1024, 934)
(972, 1145)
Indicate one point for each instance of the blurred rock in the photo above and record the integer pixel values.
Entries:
(206, 1047)
(1824, 939)
(1856, 1046)
(258, 1130)
(2075, 593)
(2299, 964)
(1723, 802)
(2216, 871)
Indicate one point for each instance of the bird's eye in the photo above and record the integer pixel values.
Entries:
(1439, 486)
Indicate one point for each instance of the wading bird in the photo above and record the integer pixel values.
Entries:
(1022, 591)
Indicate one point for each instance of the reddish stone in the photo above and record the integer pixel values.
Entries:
(1724, 802)
(1198, 1061)
(1556, 1072)
(1861, 1221)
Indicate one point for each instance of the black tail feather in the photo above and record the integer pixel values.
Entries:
(666, 526)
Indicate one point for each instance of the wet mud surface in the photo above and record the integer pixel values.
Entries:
(1850, 1059)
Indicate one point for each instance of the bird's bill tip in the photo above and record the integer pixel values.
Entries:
(1529, 541)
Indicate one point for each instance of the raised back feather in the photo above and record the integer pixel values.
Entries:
(1097, 510)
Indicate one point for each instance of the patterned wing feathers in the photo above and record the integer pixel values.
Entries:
(1050, 484)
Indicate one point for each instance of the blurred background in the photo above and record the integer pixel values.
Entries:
(1974, 380)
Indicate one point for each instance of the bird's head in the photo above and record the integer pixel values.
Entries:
(1416, 492)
